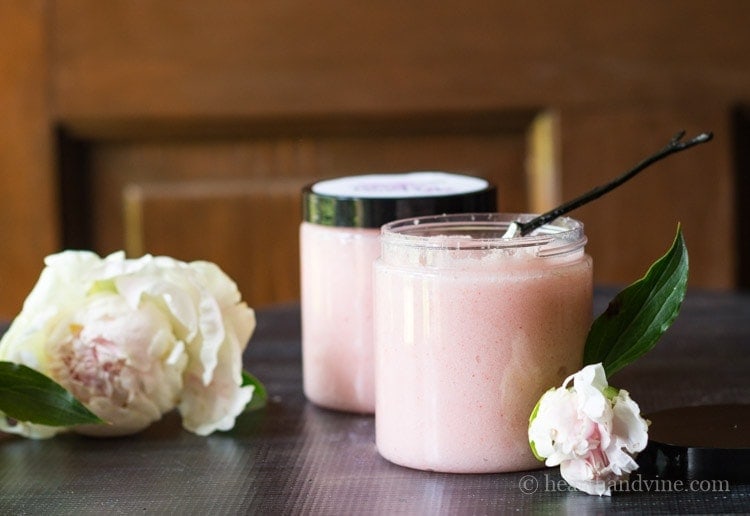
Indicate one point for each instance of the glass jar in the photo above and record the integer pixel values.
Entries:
(339, 241)
(470, 330)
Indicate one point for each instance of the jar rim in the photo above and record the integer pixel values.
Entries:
(475, 231)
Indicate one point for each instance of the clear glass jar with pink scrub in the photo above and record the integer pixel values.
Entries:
(470, 330)
(339, 241)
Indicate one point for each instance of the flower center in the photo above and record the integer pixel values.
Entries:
(93, 368)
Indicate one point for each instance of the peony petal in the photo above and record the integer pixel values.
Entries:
(175, 297)
(580, 474)
(552, 428)
(29, 430)
(211, 324)
(214, 406)
(590, 383)
(628, 423)
(220, 286)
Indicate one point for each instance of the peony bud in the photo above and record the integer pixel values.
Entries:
(590, 429)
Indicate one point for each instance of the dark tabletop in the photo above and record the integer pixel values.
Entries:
(293, 457)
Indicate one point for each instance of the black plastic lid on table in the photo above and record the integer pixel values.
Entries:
(369, 201)
(709, 442)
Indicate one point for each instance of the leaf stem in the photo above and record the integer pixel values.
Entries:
(675, 145)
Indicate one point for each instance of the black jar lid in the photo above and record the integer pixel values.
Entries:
(369, 201)
(709, 442)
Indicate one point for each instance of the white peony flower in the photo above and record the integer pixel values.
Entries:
(592, 431)
(134, 339)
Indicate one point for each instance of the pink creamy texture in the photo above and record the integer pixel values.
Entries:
(337, 350)
(464, 352)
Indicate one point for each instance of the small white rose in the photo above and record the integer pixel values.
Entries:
(591, 430)
(134, 339)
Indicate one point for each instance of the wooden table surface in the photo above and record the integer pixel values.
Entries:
(293, 457)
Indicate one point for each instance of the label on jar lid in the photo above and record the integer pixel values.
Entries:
(400, 186)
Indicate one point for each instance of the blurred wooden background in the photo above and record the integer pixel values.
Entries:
(188, 127)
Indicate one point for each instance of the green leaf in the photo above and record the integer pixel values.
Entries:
(639, 315)
(27, 395)
(260, 395)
